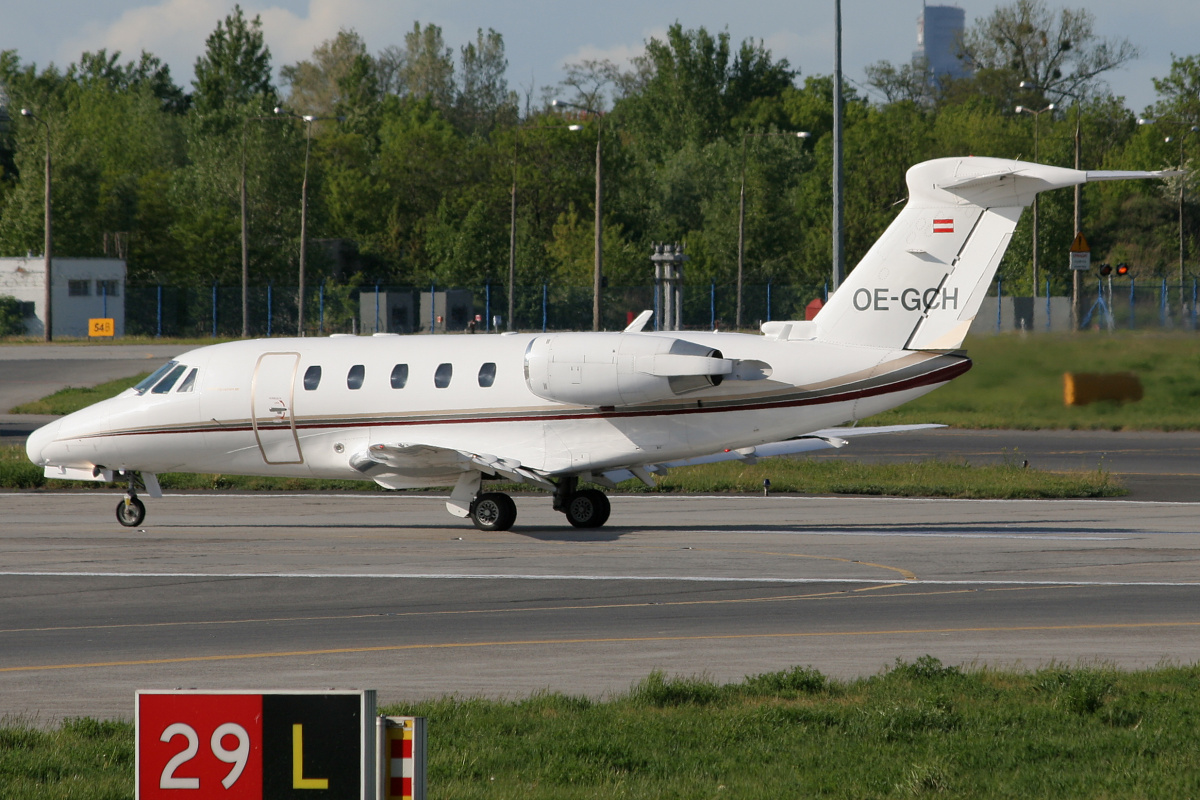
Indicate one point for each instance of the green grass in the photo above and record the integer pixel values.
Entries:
(929, 478)
(917, 729)
(71, 399)
(1017, 382)
(82, 759)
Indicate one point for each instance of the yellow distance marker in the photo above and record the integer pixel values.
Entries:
(101, 327)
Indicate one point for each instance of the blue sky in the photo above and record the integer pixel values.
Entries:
(542, 35)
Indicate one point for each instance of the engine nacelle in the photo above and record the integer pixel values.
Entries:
(620, 369)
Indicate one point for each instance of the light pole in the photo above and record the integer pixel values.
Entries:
(246, 232)
(1037, 118)
(839, 237)
(47, 333)
(598, 272)
(512, 222)
(308, 120)
(1185, 129)
(742, 215)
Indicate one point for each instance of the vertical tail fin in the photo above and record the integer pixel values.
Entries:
(922, 283)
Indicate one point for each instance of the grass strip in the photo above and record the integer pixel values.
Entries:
(1016, 382)
(916, 729)
(931, 478)
(71, 399)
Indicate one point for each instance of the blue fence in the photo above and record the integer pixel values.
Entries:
(1105, 304)
(272, 310)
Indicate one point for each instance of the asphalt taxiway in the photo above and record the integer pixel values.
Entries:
(390, 593)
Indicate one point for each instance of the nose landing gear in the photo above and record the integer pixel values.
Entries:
(131, 511)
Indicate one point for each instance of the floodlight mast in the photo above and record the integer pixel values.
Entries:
(598, 271)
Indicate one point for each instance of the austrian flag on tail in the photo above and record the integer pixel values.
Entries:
(943, 226)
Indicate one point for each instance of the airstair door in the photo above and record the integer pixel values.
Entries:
(271, 411)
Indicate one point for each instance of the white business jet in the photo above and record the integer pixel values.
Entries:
(557, 410)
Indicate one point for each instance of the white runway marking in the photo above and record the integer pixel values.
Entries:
(552, 577)
(917, 534)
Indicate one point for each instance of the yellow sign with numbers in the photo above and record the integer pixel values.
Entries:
(101, 327)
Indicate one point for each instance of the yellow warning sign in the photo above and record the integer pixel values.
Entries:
(101, 327)
(1080, 244)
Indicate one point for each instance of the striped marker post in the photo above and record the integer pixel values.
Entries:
(402, 758)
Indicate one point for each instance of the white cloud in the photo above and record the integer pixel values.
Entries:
(621, 54)
(173, 30)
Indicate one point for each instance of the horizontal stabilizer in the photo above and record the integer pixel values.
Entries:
(923, 282)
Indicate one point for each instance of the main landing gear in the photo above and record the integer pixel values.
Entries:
(493, 511)
(584, 508)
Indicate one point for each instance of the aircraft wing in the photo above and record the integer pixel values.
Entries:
(395, 466)
(817, 440)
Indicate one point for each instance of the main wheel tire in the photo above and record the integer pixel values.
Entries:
(588, 508)
(493, 511)
(131, 512)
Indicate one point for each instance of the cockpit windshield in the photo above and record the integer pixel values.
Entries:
(155, 377)
(165, 385)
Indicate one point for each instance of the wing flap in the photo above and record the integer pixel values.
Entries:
(390, 464)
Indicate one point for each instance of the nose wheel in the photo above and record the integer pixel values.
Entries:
(131, 511)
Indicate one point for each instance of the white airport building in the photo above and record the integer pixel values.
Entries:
(83, 289)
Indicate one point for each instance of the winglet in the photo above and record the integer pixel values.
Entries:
(639, 323)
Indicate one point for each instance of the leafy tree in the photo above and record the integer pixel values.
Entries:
(1179, 91)
(11, 322)
(907, 82)
(340, 77)
(149, 72)
(483, 99)
(427, 69)
(1057, 50)
(99, 166)
(698, 90)
(235, 67)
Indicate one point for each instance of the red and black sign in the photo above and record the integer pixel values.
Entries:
(241, 745)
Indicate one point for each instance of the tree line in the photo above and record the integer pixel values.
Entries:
(417, 151)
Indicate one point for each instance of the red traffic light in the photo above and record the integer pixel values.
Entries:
(1122, 269)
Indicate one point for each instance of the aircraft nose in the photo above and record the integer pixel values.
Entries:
(37, 442)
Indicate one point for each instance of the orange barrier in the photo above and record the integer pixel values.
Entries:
(1081, 388)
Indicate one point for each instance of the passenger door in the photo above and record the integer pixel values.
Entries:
(271, 408)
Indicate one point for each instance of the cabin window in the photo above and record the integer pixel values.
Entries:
(312, 378)
(441, 377)
(79, 288)
(354, 378)
(399, 376)
(167, 383)
(189, 382)
(487, 374)
(108, 288)
(154, 377)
